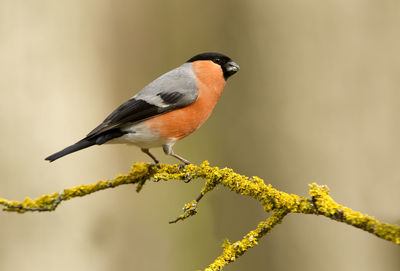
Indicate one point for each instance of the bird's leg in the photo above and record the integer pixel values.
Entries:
(168, 151)
(146, 151)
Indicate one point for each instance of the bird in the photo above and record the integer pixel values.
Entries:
(165, 111)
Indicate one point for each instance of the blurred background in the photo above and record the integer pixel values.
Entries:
(316, 100)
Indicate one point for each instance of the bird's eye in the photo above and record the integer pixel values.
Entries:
(217, 60)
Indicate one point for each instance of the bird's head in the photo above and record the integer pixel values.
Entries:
(228, 66)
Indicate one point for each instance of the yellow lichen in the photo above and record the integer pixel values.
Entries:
(232, 251)
(280, 203)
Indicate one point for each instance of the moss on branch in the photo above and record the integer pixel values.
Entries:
(278, 202)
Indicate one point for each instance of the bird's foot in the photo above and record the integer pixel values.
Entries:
(154, 166)
(181, 167)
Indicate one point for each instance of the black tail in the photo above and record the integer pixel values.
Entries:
(82, 144)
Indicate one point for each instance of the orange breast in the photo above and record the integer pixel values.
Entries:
(181, 122)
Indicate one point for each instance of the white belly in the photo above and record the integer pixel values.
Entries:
(139, 135)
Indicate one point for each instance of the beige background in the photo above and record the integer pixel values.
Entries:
(316, 100)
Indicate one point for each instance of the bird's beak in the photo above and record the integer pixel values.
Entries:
(232, 67)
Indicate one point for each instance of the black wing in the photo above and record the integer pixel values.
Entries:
(129, 112)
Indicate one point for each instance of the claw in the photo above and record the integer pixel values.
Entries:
(152, 166)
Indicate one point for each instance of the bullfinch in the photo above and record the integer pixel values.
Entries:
(168, 109)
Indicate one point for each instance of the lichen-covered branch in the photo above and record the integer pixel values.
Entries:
(140, 173)
(232, 251)
(278, 202)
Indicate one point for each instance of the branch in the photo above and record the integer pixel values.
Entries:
(280, 203)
